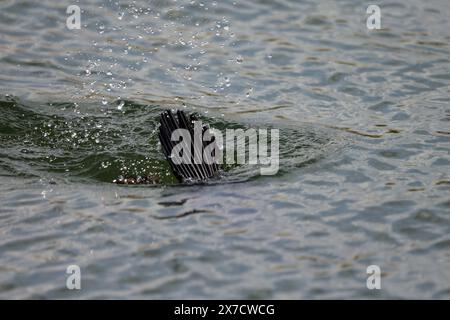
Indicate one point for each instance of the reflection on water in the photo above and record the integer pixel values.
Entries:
(365, 143)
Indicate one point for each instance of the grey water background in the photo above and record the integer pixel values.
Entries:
(365, 142)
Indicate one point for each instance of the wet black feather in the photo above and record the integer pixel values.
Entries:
(184, 172)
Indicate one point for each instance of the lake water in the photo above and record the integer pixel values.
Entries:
(364, 120)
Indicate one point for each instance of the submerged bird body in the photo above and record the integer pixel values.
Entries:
(137, 180)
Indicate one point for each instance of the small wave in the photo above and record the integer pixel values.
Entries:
(71, 142)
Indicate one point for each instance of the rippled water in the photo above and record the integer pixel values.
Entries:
(364, 141)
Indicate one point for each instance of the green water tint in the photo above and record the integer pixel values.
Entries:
(70, 142)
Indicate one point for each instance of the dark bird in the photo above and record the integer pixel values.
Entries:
(184, 172)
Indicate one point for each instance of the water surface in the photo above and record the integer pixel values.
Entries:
(365, 143)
